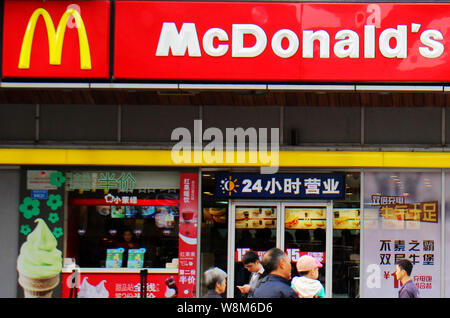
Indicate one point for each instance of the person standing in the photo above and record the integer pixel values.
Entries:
(307, 284)
(127, 243)
(403, 272)
(216, 283)
(253, 265)
(277, 283)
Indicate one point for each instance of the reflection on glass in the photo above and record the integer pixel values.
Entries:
(214, 230)
(345, 259)
(93, 232)
(346, 219)
(255, 231)
(346, 240)
(305, 235)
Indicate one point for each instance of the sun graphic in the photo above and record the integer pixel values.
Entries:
(229, 185)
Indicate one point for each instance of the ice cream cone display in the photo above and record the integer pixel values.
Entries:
(39, 263)
(38, 288)
(90, 291)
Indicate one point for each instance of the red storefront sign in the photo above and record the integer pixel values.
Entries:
(188, 208)
(60, 39)
(254, 41)
(116, 285)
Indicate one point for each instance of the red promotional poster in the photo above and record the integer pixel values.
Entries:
(188, 235)
(261, 41)
(117, 285)
(56, 39)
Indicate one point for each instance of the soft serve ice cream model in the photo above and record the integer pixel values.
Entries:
(90, 291)
(39, 263)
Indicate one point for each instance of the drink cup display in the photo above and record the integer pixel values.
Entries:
(187, 216)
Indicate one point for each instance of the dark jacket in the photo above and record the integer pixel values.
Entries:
(409, 290)
(211, 293)
(274, 286)
(254, 282)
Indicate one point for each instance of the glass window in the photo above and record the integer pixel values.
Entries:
(214, 229)
(401, 221)
(305, 234)
(123, 218)
(447, 233)
(346, 240)
(255, 231)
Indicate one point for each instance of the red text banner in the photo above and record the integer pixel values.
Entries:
(116, 285)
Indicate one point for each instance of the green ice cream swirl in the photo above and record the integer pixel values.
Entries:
(39, 256)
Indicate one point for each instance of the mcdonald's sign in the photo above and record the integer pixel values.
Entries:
(291, 41)
(35, 46)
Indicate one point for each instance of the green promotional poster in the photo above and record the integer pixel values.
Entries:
(114, 257)
(136, 258)
(41, 233)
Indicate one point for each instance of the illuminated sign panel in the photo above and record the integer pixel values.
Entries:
(58, 39)
(290, 42)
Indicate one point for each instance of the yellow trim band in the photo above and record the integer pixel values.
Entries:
(348, 159)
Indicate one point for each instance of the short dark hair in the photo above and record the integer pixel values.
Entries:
(272, 258)
(250, 257)
(406, 265)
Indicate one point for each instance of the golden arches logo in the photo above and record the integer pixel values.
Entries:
(55, 38)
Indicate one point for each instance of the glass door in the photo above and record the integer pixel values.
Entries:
(298, 228)
(253, 226)
(307, 232)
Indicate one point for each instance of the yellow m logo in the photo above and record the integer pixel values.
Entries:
(55, 38)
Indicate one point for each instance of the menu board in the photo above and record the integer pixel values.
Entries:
(114, 257)
(346, 219)
(214, 214)
(256, 218)
(117, 212)
(306, 218)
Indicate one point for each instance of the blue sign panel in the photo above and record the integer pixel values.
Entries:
(280, 186)
(39, 194)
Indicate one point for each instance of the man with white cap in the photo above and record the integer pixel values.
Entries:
(307, 285)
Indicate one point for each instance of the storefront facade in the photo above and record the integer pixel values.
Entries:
(203, 130)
